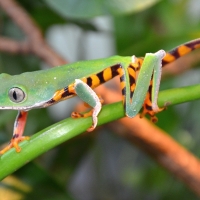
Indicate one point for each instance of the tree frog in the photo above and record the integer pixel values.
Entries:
(139, 80)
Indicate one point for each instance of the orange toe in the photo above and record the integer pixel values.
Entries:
(14, 143)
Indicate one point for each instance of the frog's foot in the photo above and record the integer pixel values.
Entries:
(84, 115)
(147, 110)
(91, 113)
(14, 143)
(81, 115)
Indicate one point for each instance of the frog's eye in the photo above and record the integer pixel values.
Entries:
(16, 95)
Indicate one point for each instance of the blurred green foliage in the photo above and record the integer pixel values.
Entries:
(165, 25)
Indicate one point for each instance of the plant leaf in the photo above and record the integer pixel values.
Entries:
(91, 8)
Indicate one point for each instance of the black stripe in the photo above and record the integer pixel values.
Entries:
(124, 91)
(138, 68)
(66, 93)
(132, 67)
(148, 107)
(114, 69)
(164, 63)
(89, 81)
(132, 80)
(174, 52)
(150, 91)
(124, 104)
(121, 78)
(100, 76)
(192, 44)
(131, 94)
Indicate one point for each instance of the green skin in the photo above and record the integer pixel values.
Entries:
(40, 86)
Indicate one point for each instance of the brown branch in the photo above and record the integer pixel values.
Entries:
(12, 46)
(158, 144)
(35, 43)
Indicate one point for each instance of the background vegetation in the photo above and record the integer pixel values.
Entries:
(101, 164)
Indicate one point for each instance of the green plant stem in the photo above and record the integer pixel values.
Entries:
(69, 128)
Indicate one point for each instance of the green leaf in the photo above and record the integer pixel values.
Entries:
(92, 8)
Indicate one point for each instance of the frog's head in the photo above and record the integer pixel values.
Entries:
(22, 92)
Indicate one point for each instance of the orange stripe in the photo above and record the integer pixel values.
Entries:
(122, 84)
(140, 61)
(197, 46)
(169, 58)
(84, 80)
(95, 81)
(182, 50)
(107, 74)
(71, 87)
(131, 72)
(58, 95)
(133, 87)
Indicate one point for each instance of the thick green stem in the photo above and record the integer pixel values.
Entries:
(69, 128)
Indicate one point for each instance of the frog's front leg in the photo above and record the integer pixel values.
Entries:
(18, 130)
(86, 94)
